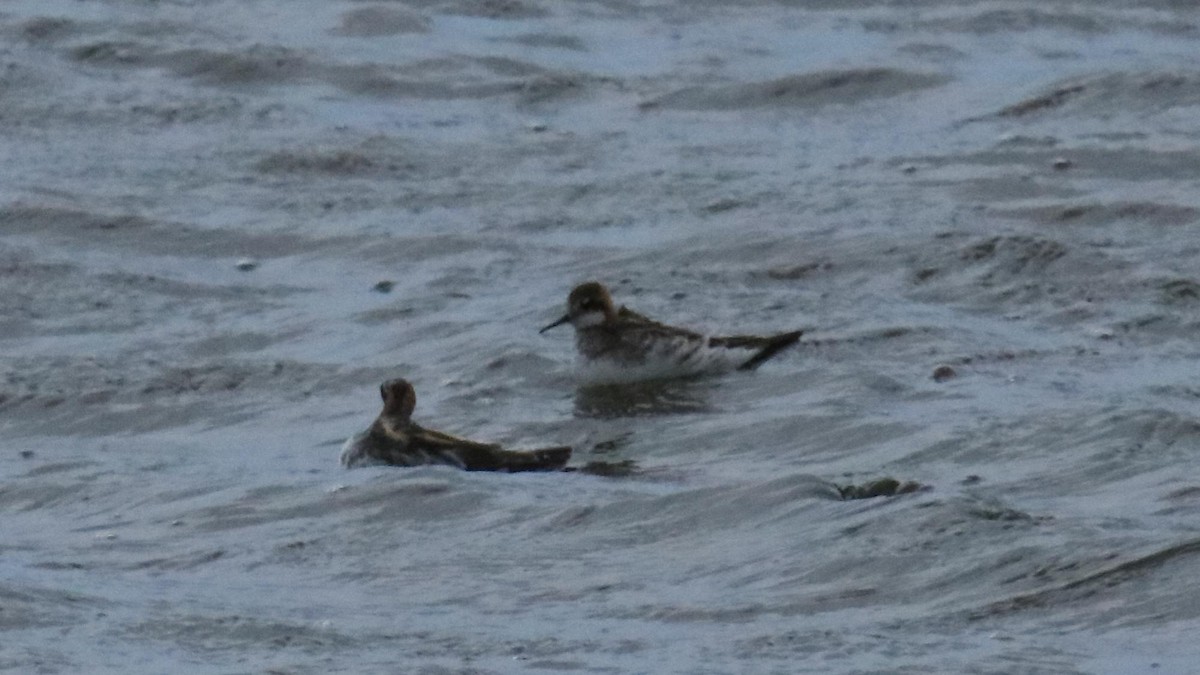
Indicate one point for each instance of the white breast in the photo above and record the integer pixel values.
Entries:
(354, 454)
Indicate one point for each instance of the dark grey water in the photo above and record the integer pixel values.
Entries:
(1006, 188)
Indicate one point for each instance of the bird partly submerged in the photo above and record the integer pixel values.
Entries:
(397, 440)
(619, 339)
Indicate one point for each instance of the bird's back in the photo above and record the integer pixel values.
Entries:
(409, 444)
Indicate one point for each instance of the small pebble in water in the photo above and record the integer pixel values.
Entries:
(1062, 163)
(26, 454)
(943, 373)
(246, 264)
(384, 286)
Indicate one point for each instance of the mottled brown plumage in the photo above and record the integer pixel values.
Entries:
(395, 439)
(623, 337)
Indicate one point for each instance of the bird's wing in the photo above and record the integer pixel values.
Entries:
(626, 315)
(443, 441)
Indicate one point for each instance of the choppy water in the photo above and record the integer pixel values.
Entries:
(1007, 188)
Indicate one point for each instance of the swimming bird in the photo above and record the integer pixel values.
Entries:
(395, 439)
(620, 337)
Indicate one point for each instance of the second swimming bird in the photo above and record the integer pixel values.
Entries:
(622, 338)
(395, 439)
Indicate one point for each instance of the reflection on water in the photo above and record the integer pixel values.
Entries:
(620, 469)
(640, 399)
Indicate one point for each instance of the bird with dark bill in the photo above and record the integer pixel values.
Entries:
(620, 338)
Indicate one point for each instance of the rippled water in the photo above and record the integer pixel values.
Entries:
(1004, 188)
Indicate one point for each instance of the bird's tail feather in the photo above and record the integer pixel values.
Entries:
(771, 346)
(546, 459)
